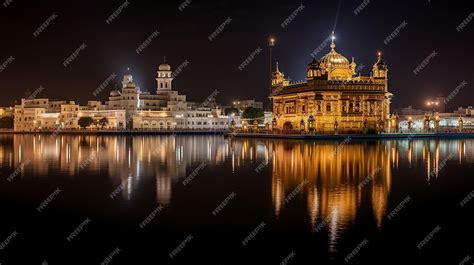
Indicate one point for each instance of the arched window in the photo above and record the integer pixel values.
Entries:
(328, 107)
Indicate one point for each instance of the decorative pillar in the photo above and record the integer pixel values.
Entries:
(255, 125)
(302, 125)
(274, 124)
(311, 124)
(460, 124)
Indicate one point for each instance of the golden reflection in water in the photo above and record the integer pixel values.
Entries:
(333, 173)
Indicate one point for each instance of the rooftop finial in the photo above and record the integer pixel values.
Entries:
(379, 56)
(333, 37)
(164, 59)
(277, 68)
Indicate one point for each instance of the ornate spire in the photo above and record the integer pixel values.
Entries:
(333, 45)
(379, 57)
(277, 70)
(164, 59)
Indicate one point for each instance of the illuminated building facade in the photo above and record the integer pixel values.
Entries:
(333, 98)
(126, 108)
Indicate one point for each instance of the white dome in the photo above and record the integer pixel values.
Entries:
(165, 67)
(115, 93)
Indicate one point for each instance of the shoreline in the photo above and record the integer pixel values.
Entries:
(228, 134)
(117, 132)
(384, 136)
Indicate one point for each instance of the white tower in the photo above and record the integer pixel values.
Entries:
(164, 78)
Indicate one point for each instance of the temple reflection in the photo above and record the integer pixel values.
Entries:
(339, 177)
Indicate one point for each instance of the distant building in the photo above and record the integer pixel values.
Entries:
(410, 111)
(469, 111)
(248, 103)
(7, 111)
(128, 108)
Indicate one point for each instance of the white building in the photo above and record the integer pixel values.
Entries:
(129, 107)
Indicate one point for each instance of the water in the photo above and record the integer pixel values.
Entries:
(246, 201)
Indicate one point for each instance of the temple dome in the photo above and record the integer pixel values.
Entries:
(334, 60)
(115, 93)
(164, 67)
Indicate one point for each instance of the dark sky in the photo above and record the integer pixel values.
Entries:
(431, 26)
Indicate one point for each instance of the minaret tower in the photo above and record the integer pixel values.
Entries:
(165, 77)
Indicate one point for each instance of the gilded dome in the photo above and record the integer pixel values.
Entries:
(334, 60)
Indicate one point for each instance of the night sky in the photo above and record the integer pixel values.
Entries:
(111, 48)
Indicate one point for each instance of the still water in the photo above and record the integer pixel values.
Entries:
(216, 200)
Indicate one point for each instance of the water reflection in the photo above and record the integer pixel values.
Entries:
(341, 179)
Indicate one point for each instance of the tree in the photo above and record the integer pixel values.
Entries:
(103, 122)
(229, 111)
(253, 114)
(6, 122)
(85, 122)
